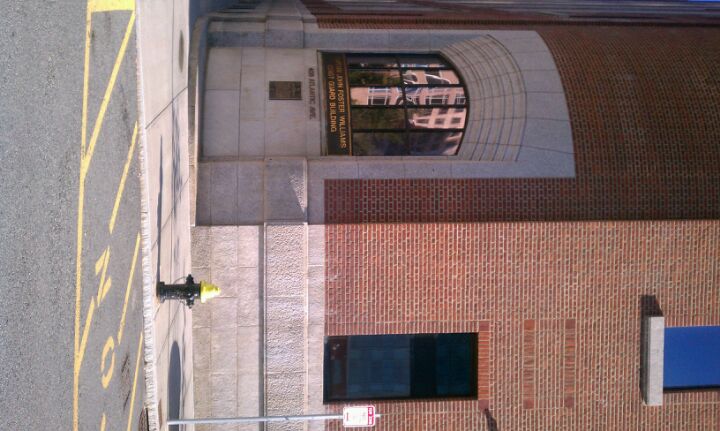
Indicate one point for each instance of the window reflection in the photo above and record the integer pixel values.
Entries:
(430, 76)
(435, 95)
(421, 61)
(374, 77)
(435, 118)
(434, 143)
(368, 118)
(379, 144)
(404, 105)
(371, 61)
(373, 96)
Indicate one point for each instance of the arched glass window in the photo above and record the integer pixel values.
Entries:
(393, 105)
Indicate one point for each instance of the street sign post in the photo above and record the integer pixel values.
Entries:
(359, 416)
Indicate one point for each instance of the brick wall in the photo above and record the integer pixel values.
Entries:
(644, 105)
(558, 303)
(437, 14)
(559, 293)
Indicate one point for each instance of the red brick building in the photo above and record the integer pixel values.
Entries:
(551, 272)
(464, 216)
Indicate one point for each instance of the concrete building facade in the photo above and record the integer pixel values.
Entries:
(584, 195)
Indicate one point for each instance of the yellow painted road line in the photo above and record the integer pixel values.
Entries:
(78, 304)
(81, 204)
(137, 369)
(127, 289)
(107, 373)
(86, 81)
(85, 158)
(86, 332)
(121, 187)
(106, 98)
(102, 423)
(111, 5)
(104, 285)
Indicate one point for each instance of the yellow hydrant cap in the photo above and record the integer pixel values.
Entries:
(208, 291)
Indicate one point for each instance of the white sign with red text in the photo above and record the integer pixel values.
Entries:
(359, 416)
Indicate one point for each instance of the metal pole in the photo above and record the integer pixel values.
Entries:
(254, 419)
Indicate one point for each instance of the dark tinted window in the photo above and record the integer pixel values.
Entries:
(400, 366)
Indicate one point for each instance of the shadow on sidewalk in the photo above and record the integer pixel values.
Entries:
(174, 385)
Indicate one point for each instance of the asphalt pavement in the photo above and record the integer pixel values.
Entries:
(71, 315)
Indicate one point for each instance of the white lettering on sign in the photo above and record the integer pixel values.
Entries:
(359, 416)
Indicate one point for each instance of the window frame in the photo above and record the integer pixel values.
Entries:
(328, 370)
(402, 64)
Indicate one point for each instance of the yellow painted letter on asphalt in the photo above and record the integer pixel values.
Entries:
(86, 151)
(127, 289)
(104, 286)
(107, 372)
(121, 187)
(135, 376)
(111, 5)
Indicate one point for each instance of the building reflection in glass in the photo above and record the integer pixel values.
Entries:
(405, 105)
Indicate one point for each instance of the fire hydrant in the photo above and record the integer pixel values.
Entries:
(188, 292)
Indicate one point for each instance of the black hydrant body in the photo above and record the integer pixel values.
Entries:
(188, 292)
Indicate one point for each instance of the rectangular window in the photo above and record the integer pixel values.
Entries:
(380, 144)
(409, 366)
(367, 118)
(374, 77)
(372, 96)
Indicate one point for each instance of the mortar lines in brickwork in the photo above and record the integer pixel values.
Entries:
(581, 281)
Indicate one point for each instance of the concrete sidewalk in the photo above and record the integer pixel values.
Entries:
(162, 38)
(252, 352)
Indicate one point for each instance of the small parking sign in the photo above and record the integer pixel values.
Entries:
(359, 416)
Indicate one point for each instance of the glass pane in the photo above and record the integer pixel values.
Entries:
(455, 366)
(374, 77)
(400, 366)
(436, 118)
(435, 95)
(378, 366)
(370, 61)
(435, 77)
(379, 144)
(335, 368)
(422, 61)
(388, 96)
(434, 143)
(378, 118)
(424, 366)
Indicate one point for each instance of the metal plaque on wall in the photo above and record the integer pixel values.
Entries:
(285, 90)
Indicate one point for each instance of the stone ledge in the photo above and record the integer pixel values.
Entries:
(653, 351)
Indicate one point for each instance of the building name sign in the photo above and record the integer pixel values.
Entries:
(338, 104)
(312, 114)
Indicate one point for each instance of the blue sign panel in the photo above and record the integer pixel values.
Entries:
(692, 357)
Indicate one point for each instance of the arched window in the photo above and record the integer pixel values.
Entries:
(393, 105)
